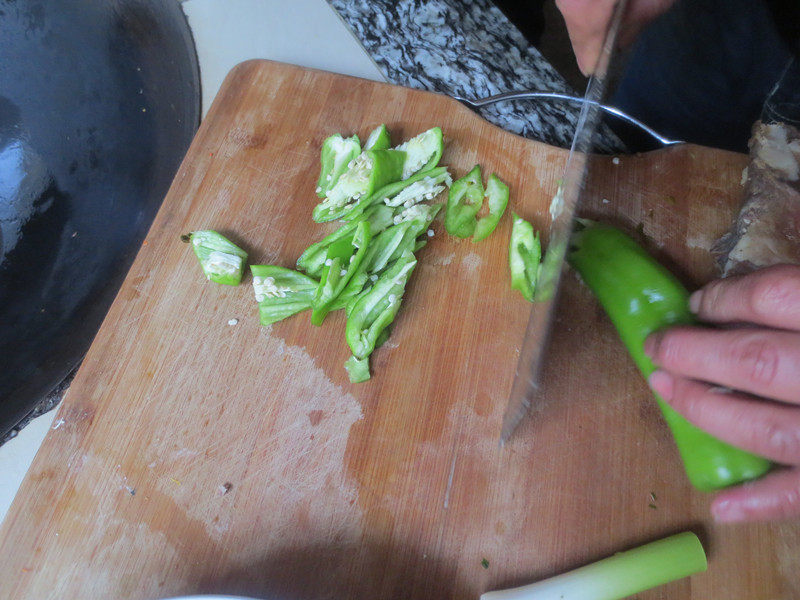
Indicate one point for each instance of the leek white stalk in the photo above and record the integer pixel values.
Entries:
(619, 576)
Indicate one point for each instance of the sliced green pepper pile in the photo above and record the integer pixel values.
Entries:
(640, 296)
(383, 197)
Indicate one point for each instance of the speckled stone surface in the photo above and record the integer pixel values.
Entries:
(468, 49)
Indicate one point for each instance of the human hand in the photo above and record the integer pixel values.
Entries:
(587, 22)
(758, 409)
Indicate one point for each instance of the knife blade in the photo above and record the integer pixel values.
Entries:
(528, 374)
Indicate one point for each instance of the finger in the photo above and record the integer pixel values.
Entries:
(761, 427)
(765, 362)
(774, 496)
(769, 297)
(586, 22)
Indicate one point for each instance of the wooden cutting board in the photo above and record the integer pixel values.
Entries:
(194, 456)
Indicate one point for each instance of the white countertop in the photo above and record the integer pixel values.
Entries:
(227, 32)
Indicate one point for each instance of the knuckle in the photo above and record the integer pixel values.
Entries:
(776, 290)
(757, 359)
(782, 441)
(787, 501)
(713, 294)
(667, 347)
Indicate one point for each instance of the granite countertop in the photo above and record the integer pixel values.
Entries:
(467, 49)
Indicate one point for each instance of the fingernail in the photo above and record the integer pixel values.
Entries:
(725, 511)
(651, 345)
(694, 301)
(661, 383)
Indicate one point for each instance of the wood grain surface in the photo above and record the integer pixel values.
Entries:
(191, 456)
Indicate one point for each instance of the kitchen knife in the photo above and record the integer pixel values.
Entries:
(562, 210)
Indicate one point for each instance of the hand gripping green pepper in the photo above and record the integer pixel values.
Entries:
(222, 261)
(524, 257)
(344, 258)
(497, 199)
(641, 297)
(337, 152)
(280, 292)
(313, 259)
(425, 185)
(378, 139)
(367, 173)
(376, 308)
(464, 201)
(423, 151)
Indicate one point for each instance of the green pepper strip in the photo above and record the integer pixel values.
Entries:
(370, 171)
(313, 259)
(336, 154)
(280, 292)
(424, 151)
(222, 261)
(641, 297)
(384, 249)
(378, 139)
(497, 199)
(376, 308)
(387, 193)
(463, 203)
(524, 257)
(344, 258)
(357, 369)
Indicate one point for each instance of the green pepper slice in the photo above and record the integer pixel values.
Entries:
(222, 261)
(464, 201)
(385, 248)
(497, 199)
(425, 185)
(378, 139)
(313, 258)
(336, 154)
(281, 292)
(357, 369)
(524, 257)
(423, 151)
(368, 172)
(640, 297)
(376, 308)
(344, 258)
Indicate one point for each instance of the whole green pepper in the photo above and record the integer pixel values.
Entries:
(367, 173)
(464, 201)
(640, 296)
(375, 309)
(378, 139)
(312, 260)
(336, 154)
(344, 258)
(524, 257)
(497, 199)
(222, 261)
(280, 292)
(423, 151)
